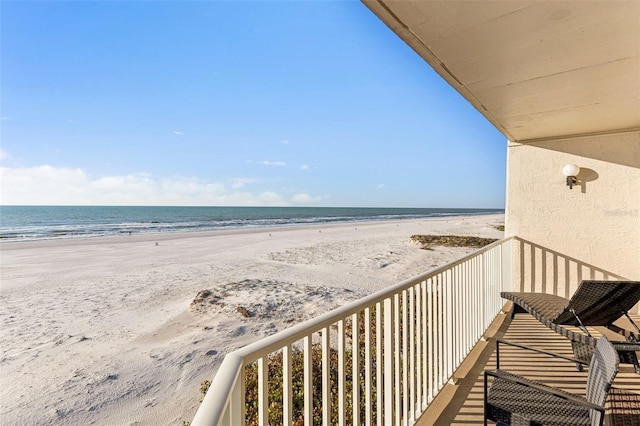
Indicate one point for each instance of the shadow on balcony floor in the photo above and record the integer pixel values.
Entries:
(462, 403)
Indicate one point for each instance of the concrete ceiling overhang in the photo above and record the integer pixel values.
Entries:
(536, 69)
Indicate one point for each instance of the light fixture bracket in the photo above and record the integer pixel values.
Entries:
(571, 171)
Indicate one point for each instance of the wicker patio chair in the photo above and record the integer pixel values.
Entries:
(595, 303)
(515, 400)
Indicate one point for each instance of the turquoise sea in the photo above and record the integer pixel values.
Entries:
(27, 223)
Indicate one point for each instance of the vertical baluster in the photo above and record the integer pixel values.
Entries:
(455, 320)
(426, 343)
(487, 284)
(449, 325)
(341, 375)
(308, 382)
(457, 332)
(263, 390)
(396, 358)
(481, 284)
(237, 409)
(502, 265)
(287, 394)
(456, 324)
(367, 367)
(478, 292)
(490, 286)
(498, 273)
(494, 286)
(420, 319)
(468, 307)
(388, 361)
(464, 310)
(226, 415)
(355, 373)
(473, 299)
(405, 362)
(326, 391)
(440, 336)
(413, 294)
(429, 353)
(507, 259)
(379, 366)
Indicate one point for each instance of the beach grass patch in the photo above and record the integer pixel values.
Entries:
(429, 241)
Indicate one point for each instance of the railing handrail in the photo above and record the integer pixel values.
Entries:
(212, 407)
(569, 258)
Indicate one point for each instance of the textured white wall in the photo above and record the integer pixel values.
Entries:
(593, 227)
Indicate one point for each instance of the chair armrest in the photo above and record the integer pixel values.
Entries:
(502, 375)
(540, 351)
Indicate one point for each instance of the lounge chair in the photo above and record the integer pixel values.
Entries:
(595, 303)
(516, 400)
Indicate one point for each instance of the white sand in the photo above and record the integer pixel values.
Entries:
(104, 331)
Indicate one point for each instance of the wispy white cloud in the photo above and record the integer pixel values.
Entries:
(284, 142)
(67, 186)
(240, 182)
(71, 122)
(305, 199)
(4, 118)
(272, 163)
(4, 154)
(380, 185)
(304, 167)
(176, 132)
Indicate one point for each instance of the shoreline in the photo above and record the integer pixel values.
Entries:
(106, 330)
(170, 235)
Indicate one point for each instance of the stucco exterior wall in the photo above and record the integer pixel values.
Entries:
(590, 231)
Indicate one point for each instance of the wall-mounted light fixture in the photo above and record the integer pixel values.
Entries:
(571, 171)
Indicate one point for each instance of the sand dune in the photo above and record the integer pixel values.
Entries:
(122, 330)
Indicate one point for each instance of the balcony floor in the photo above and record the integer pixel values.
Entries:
(462, 403)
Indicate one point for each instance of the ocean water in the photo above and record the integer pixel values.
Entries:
(28, 223)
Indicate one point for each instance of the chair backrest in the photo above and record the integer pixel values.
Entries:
(600, 303)
(602, 371)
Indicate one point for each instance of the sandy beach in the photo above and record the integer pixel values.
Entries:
(105, 331)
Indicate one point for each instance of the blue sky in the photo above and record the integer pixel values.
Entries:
(231, 103)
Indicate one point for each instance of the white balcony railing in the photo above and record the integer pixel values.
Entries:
(379, 360)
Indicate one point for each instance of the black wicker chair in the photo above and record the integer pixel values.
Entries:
(515, 400)
(595, 303)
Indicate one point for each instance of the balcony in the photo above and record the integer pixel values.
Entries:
(410, 354)
(462, 403)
